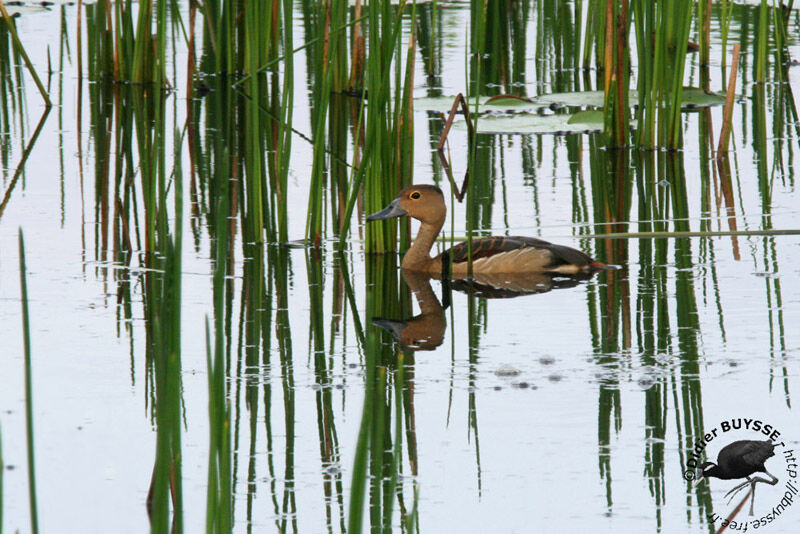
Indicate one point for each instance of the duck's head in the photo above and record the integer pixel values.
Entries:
(423, 332)
(422, 202)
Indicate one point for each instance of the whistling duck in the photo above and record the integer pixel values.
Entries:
(426, 330)
(741, 459)
(490, 255)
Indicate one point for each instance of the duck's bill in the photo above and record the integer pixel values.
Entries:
(394, 327)
(390, 211)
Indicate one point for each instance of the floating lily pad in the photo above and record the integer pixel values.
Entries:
(692, 98)
(24, 9)
(697, 98)
(581, 122)
(587, 117)
(443, 104)
(594, 99)
(757, 3)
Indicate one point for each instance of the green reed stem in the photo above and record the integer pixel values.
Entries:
(617, 58)
(761, 46)
(726, 9)
(662, 34)
(358, 486)
(285, 57)
(704, 30)
(391, 487)
(26, 336)
(219, 501)
(382, 179)
(21, 165)
(283, 148)
(21, 50)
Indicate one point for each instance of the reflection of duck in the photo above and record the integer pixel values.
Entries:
(490, 255)
(426, 330)
(509, 285)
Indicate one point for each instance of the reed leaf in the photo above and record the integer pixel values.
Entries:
(12, 29)
(26, 337)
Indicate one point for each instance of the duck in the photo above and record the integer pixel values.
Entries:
(496, 255)
(426, 330)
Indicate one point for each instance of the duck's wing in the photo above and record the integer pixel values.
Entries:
(487, 247)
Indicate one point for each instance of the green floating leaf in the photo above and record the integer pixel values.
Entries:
(697, 98)
(25, 9)
(692, 98)
(443, 104)
(593, 99)
(581, 122)
(587, 117)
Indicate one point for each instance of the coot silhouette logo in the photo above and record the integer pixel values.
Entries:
(748, 450)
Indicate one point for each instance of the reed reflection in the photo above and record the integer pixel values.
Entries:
(388, 413)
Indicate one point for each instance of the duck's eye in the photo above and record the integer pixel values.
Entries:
(415, 195)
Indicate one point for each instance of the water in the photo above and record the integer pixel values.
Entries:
(570, 410)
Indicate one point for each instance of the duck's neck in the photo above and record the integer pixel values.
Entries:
(420, 285)
(418, 257)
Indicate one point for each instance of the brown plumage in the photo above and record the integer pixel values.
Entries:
(490, 255)
(426, 330)
(510, 285)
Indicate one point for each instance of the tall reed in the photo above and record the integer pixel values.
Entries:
(127, 43)
(279, 142)
(330, 68)
(498, 28)
(19, 171)
(219, 172)
(594, 37)
(327, 434)
(378, 453)
(26, 337)
(558, 31)
(662, 35)
(162, 301)
(616, 109)
(12, 31)
(762, 37)
(219, 492)
(389, 119)
(11, 81)
(285, 505)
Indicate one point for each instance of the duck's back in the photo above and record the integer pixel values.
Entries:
(512, 254)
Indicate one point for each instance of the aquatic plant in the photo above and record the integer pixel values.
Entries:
(29, 438)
